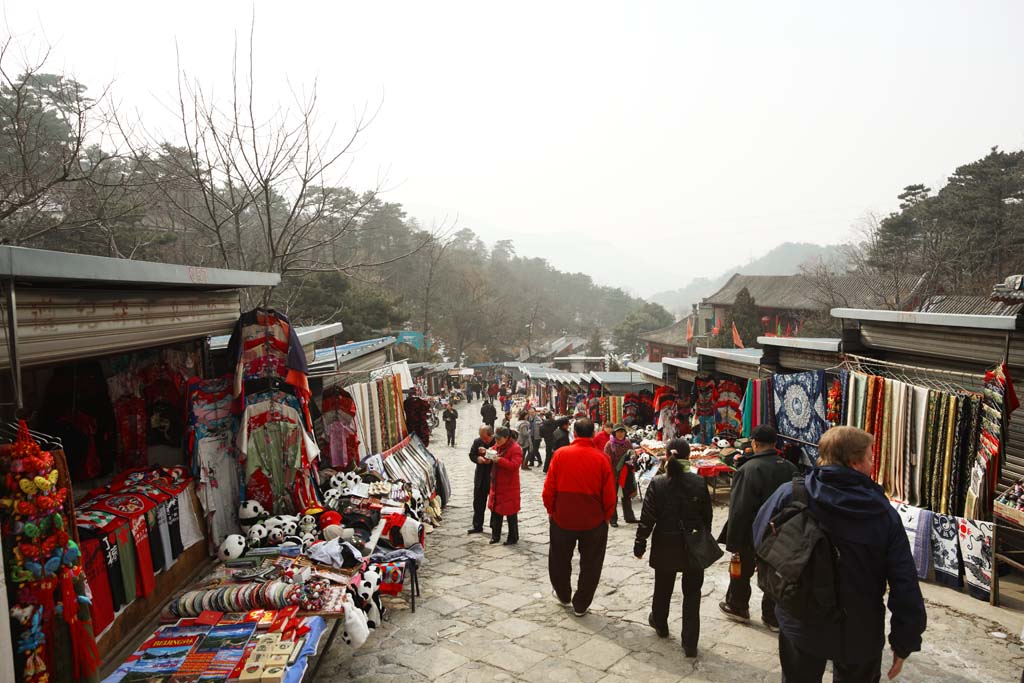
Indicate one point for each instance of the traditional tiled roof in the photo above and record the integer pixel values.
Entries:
(804, 293)
(673, 335)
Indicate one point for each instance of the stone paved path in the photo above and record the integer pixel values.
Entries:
(487, 614)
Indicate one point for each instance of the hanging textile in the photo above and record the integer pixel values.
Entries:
(946, 550)
(264, 345)
(800, 408)
(748, 409)
(976, 551)
(917, 524)
(728, 419)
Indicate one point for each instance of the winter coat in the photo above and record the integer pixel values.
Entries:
(474, 451)
(579, 490)
(601, 440)
(752, 484)
(450, 417)
(559, 438)
(489, 413)
(547, 431)
(671, 507)
(523, 431)
(873, 551)
(504, 498)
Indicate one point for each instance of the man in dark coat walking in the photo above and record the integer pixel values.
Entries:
(559, 438)
(873, 552)
(481, 477)
(489, 413)
(451, 418)
(757, 478)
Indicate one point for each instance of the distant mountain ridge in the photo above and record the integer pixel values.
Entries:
(784, 259)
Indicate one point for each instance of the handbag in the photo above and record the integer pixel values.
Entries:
(703, 548)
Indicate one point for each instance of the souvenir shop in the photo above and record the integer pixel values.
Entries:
(139, 455)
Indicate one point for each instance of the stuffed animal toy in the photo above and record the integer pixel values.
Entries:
(307, 525)
(257, 535)
(276, 536)
(368, 592)
(356, 630)
(250, 512)
(290, 527)
(332, 497)
(337, 481)
(231, 548)
(416, 504)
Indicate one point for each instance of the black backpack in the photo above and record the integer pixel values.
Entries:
(797, 563)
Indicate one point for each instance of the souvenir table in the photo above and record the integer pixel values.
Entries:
(704, 461)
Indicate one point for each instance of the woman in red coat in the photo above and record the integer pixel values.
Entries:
(504, 500)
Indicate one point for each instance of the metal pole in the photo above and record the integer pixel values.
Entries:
(12, 345)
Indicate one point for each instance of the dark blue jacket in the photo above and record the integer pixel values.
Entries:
(873, 551)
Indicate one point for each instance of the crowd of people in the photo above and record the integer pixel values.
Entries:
(824, 599)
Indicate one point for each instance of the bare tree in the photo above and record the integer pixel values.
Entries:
(57, 171)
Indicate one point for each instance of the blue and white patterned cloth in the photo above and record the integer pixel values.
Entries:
(800, 408)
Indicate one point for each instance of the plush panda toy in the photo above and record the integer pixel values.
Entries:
(276, 536)
(368, 592)
(290, 527)
(338, 481)
(351, 480)
(332, 497)
(250, 512)
(231, 548)
(307, 525)
(257, 535)
(416, 505)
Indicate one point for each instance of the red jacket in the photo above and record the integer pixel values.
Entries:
(579, 490)
(601, 440)
(504, 498)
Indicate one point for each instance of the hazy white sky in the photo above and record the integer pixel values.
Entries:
(641, 142)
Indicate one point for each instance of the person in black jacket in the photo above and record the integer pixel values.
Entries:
(873, 551)
(451, 418)
(559, 438)
(547, 433)
(757, 478)
(489, 413)
(481, 478)
(676, 503)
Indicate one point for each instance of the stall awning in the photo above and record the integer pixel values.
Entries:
(61, 325)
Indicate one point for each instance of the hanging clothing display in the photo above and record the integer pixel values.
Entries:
(705, 397)
(800, 408)
(339, 419)
(728, 419)
(917, 523)
(976, 551)
(380, 414)
(277, 455)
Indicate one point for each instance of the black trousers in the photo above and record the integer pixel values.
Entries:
(592, 545)
(627, 506)
(513, 526)
(800, 666)
(548, 452)
(481, 489)
(535, 452)
(738, 595)
(664, 585)
(451, 434)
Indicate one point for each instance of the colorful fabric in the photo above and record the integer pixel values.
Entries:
(800, 408)
(976, 550)
(946, 550)
(918, 525)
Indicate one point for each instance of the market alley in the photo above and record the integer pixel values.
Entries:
(487, 614)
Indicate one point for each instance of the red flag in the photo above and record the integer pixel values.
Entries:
(736, 341)
(789, 330)
(689, 330)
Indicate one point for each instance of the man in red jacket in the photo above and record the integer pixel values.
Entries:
(579, 494)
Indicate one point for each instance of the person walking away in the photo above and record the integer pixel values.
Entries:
(535, 437)
(489, 413)
(559, 438)
(504, 500)
(620, 452)
(547, 433)
(481, 476)
(522, 435)
(872, 551)
(757, 478)
(604, 435)
(676, 504)
(450, 417)
(579, 495)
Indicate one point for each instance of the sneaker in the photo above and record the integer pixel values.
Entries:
(563, 604)
(581, 614)
(614, 524)
(662, 632)
(772, 626)
(735, 615)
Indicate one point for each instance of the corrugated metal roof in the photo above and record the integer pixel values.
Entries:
(809, 343)
(648, 368)
(684, 363)
(801, 293)
(744, 356)
(323, 359)
(619, 377)
(672, 335)
(40, 265)
(988, 322)
(969, 305)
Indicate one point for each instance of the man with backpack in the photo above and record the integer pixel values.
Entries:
(849, 543)
(756, 479)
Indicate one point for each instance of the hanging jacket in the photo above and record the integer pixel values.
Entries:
(873, 552)
(504, 499)
(672, 507)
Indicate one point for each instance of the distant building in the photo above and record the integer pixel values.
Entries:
(546, 352)
(580, 364)
(668, 341)
(785, 302)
